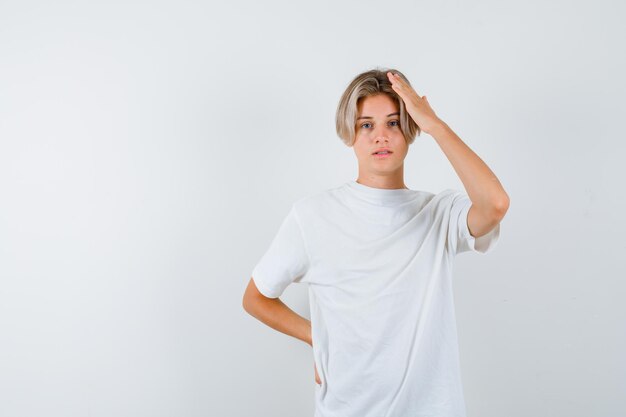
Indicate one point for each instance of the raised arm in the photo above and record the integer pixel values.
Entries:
(489, 200)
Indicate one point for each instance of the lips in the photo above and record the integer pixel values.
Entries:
(382, 150)
(382, 155)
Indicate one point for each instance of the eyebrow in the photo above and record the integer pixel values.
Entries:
(369, 117)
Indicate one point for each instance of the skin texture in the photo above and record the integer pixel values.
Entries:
(379, 131)
(489, 200)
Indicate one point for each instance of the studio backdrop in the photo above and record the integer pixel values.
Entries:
(150, 150)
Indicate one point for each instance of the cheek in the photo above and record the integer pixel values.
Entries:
(361, 150)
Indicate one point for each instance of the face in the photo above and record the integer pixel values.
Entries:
(378, 126)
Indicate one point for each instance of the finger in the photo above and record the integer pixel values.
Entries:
(399, 92)
(402, 88)
(396, 77)
(395, 80)
(398, 88)
(404, 94)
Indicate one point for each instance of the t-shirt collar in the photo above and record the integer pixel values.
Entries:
(378, 194)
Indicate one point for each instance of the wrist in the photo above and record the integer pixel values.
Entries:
(437, 128)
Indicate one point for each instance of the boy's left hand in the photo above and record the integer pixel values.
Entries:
(418, 107)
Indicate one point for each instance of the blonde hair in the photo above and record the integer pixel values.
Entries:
(371, 83)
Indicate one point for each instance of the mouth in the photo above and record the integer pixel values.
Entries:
(382, 154)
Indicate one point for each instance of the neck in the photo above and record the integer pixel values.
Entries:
(390, 182)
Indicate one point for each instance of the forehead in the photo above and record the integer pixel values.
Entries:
(376, 106)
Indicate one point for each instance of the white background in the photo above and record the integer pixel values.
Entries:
(149, 151)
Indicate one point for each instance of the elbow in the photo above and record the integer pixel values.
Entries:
(502, 206)
(244, 303)
(252, 298)
(247, 303)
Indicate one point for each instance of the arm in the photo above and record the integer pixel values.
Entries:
(489, 200)
(274, 313)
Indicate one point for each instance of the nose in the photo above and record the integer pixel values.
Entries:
(382, 137)
(381, 133)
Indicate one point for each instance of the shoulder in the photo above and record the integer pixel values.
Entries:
(317, 198)
(443, 201)
(322, 204)
(448, 193)
(449, 196)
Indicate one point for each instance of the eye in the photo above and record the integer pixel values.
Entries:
(397, 123)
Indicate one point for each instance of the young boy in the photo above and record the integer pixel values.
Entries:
(377, 258)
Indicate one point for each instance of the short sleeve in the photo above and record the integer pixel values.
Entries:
(459, 238)
(285, 261)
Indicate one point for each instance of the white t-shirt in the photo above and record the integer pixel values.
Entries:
(378, 264)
